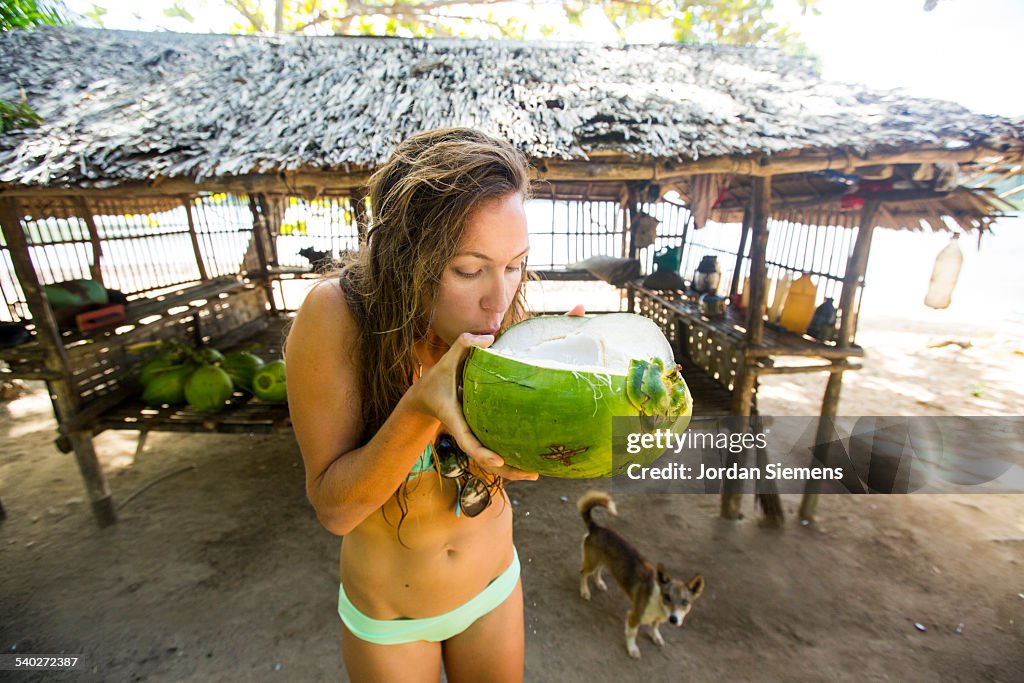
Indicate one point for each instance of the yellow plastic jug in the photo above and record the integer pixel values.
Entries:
(799, 306)
(782, 285)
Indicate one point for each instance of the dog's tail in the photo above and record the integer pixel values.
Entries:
(592, 499)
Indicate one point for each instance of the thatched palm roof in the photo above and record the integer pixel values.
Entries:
(120, 107)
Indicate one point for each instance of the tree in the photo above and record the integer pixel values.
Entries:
(28, 13)
(736, 22)
(18, 14)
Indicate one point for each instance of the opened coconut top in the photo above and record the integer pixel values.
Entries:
(602, 343)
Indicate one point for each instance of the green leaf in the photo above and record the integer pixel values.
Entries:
(178, 11)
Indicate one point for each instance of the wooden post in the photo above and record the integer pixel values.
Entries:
(739, 254)
(358, 200)
(85, 213)
(259, 231)
(760, 212)
(852, 282)
(272, 209)
(743, 391)
(62, 391)
(631, 209)
(187, 202)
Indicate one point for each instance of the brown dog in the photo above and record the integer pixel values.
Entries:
(655, 595)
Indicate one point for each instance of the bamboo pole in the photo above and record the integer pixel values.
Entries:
(62, 388)
(852, 282)
(187, 203)
(85, 213)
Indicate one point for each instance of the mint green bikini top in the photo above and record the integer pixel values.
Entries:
(426, 462)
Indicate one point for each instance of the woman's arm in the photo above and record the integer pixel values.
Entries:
(346, 482)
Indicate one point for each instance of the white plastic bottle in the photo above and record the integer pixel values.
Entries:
(944, 275)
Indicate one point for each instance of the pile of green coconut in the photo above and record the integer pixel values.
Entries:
(206, 378)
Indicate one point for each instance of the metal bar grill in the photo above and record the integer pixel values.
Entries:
(224, 231)
(564, 232)
(326, 224)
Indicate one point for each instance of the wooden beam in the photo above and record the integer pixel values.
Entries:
(260, 231)
(854, 278)
(801, 369)
(744, 236)
(187, 203)
(85, 213)
(62, 389)
(743, 391)
(358, 200)
(760, 208)
(614, 169)
(852, 283)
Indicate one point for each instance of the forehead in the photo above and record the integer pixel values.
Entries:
(496, 225)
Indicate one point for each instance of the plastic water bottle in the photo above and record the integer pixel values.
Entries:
(823, 322)
(944, 275)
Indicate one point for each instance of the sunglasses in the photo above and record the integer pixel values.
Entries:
(473, 497)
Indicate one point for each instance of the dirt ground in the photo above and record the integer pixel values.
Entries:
(220, 571)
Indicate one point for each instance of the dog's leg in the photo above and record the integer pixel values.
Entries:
(586, 568)
(632, 627)
(584, 587)
(656, 635)
(598, 580)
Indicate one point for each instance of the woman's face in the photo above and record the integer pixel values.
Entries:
(479, 283)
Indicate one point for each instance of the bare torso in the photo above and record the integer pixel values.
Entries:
(445, 560)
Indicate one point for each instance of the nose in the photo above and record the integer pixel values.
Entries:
(674, 620)
(496, 298)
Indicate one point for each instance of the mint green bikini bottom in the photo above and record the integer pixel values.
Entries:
(434, 629)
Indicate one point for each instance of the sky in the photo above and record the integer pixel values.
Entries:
(966, 51)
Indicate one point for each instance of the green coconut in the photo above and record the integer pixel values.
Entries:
(241, 366)
(543, 395)
(268, 384)
(167, 386)
(157, 364)
(209, 355)
(208, 388)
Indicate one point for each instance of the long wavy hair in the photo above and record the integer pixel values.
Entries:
(420, 201)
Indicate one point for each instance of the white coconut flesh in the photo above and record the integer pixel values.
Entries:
(602, 344)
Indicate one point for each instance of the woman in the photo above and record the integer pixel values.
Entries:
(428, 576)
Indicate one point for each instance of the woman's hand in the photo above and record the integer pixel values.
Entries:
(436, 394)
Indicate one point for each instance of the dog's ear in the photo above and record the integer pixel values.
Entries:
(663, 577)
(696, 586)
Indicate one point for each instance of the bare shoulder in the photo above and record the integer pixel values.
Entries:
(323, 395)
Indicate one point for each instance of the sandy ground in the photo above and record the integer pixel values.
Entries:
(220, 572)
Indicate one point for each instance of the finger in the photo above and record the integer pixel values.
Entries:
(469, 444)
(515, 474)
(578, 310)
(466, 341)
